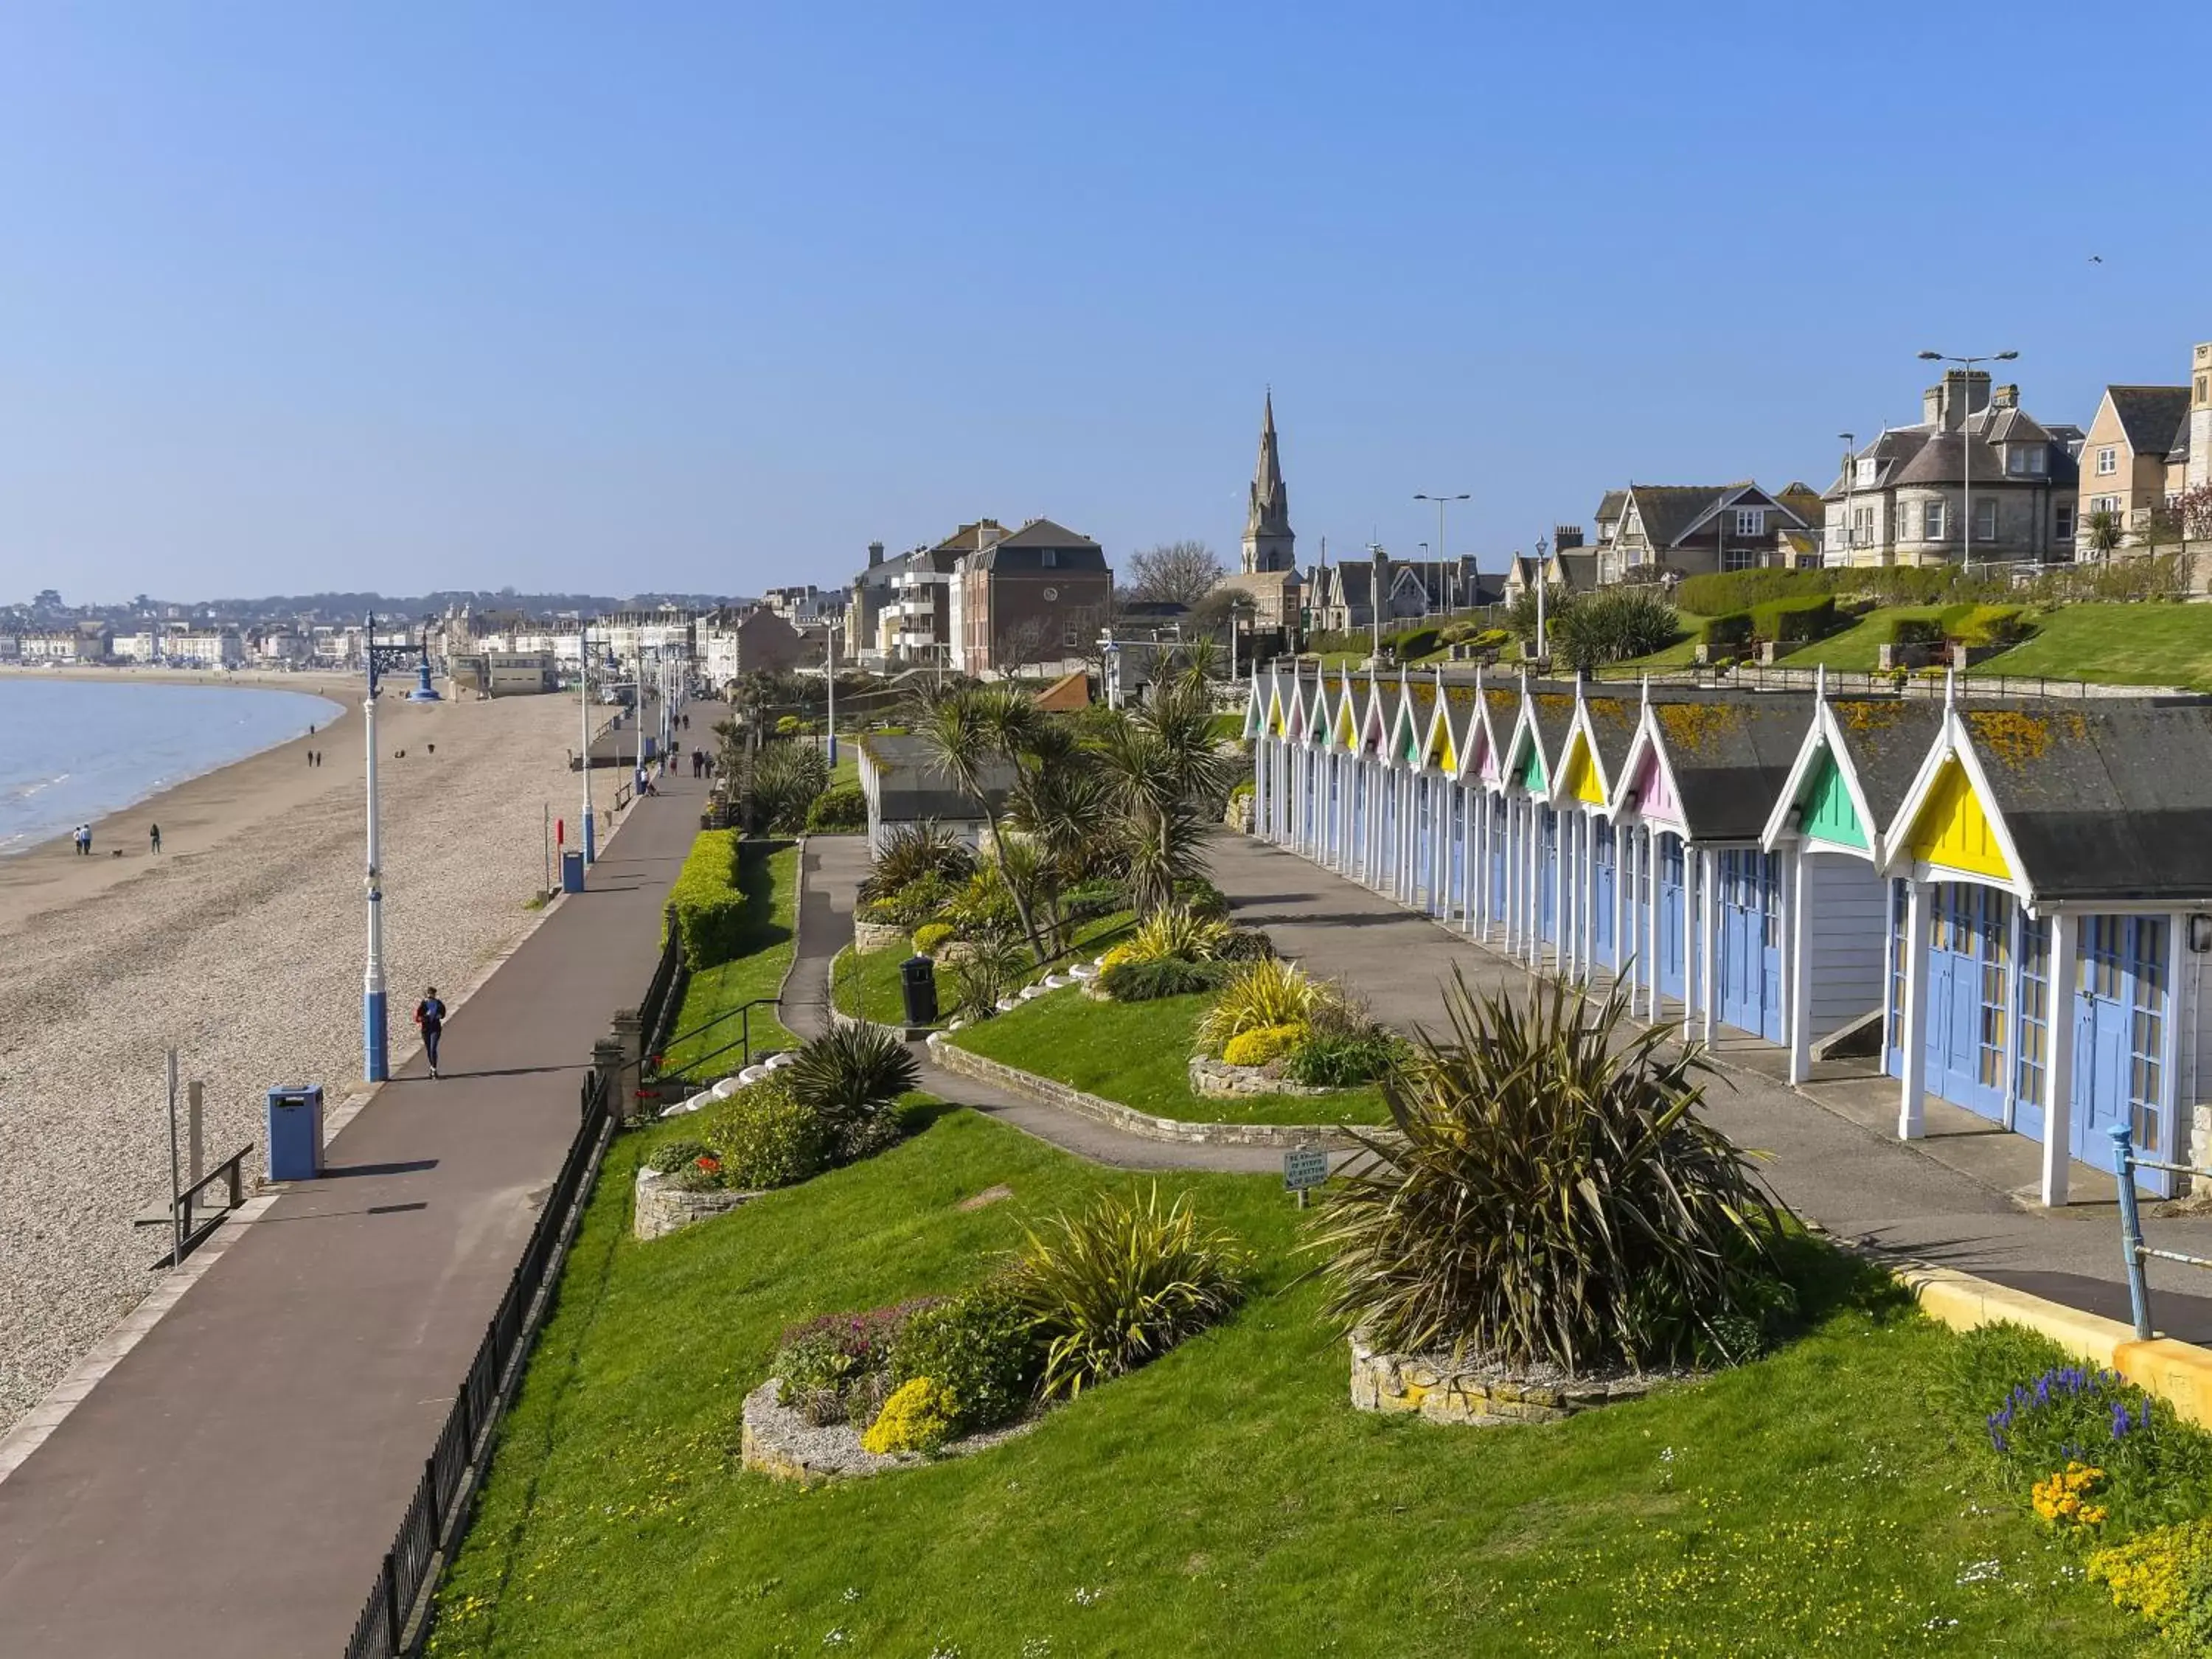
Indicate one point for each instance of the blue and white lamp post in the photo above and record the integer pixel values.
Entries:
(376, 1040)
(584, 718)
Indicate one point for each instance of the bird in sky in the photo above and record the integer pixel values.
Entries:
(2096, 258)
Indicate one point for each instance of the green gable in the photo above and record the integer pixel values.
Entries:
(1532, 771)
(1827, 806)
(1411, 748)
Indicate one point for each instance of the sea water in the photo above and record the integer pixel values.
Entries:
(73, 750)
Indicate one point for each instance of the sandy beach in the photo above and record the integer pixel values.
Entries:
(241, 945)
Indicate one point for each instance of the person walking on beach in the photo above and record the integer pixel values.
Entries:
(153, 839)
(430, 1015)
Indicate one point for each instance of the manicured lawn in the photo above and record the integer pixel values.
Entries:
(1224, 1500)
(1858, 649)
(872, 990)
(1682, 652)
(2122, 644)
(771, 888)
(1137, 1054)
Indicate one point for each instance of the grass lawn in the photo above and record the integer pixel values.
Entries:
(1225, 1499)
(2121, 644)
(771, 889)
(1681, 655)
(1139, 1053)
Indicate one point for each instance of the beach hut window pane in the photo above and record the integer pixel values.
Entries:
(2034, 1004)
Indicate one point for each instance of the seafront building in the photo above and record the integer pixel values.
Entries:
(2008, 903)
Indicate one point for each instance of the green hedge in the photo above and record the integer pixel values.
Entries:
(1992, 625)
(1732, 628)
(1796, 621)
(1916, 630)
(708, 908)
(835, 810)
(1415, 642)
(1741, 590)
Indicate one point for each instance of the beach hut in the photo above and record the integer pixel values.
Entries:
(2051, 876)
(1602, 726)
(1859, 756)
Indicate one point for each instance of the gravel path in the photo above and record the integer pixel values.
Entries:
(246, 954)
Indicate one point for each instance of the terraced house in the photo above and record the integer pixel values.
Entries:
(2008, 903)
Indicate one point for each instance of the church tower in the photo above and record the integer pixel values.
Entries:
(1267, 536)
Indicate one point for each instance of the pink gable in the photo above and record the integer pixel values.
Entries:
(1490, 773)
(1655, 800)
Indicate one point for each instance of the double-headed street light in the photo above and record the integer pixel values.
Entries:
(1967, 444)
(1441, 501)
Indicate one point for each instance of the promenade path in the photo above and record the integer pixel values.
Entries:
(1954, 1199)
(230, 1487)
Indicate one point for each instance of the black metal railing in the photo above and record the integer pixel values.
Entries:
(397, 1613)
(664, 998)
(742, 1013)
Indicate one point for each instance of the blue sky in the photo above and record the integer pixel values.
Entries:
(708, 297)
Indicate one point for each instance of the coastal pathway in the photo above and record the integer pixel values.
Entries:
(230, 1487)
(1828, 1149)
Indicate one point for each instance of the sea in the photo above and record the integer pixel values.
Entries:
(73, 750)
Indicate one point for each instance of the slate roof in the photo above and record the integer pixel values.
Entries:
(1613, 722)
(1023, 550)
(1669, 509)
(2108, 801)
(910, 786)
(1885, 740)
(2148, 415)
(1937, 462)
(1890, 451)
(1551, 714)
(1611, 505)
(1731, 753)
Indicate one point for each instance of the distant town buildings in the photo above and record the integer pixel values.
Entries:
(1654, 532)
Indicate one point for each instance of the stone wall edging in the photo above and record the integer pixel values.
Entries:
(1432, 1387)
(1127, 1120)
(658, 1209)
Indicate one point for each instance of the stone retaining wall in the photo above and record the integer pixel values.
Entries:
(954, 1058)
(878, 936)
(1442, 1392)
(659, 1209)
(1220, 1080)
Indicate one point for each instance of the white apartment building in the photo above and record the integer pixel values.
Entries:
(206, 649)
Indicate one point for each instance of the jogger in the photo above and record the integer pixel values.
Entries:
(430, 1015)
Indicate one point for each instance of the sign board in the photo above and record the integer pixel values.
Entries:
(1304, 1167)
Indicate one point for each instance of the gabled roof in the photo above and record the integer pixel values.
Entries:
(2148, 415)
(2104, 802)
(1612, 505)
(1878, 745)
(1668, 510)
(1728, 754)
(1023, 550)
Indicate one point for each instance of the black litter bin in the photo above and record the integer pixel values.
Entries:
(918, 982)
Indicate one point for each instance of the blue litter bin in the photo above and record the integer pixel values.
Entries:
(572, 872)
(295, 1132)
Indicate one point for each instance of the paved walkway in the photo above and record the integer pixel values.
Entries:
(834, 866)
(1833, 1155)
(231, 1486)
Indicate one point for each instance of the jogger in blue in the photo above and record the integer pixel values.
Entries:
(430, 1015)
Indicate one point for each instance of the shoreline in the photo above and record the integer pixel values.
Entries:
(194, 806)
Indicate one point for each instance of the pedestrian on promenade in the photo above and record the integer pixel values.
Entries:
(153, 839)
(430, 1015)
(84, 840)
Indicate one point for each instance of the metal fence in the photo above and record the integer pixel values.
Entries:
(1841, 683)
(2124, 1165)
(396, 1613)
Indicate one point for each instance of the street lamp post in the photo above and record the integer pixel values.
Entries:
(829, 679)
(584, 725)
(376, 1047)
(1543, 547)
(1440, 500)
(1850, 471)
(1966, 447)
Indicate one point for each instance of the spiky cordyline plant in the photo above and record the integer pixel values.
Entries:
(852, 1071)
(1555, 1199)
(1121, 1283)
(910, 851)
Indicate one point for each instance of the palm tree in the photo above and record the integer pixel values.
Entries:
(2104, 532)
(1148, 774)
(962, 731)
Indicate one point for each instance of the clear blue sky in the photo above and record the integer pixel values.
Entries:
(708, 297)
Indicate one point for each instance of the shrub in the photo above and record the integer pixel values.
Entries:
(1728, 629)
(833, 1369)
(1267, 1043)
(1741, 590)
(1169, 976)
(1795, 621)
(1991, 625)
(978, 1347)
(1089, 900)
(931, 935)
(1122, 1283)
(1613, 624)
(911, 851)
(1335, 1060)
(994, 965)
(1415, 642)
(850, 1077)
(2165, 1577)
(672, 1155)
(765, 1138)
(1200, 897)
(1244, 944)
(1916, 630)
(985, 903)
(1554, 1199)
(917, 1417)
(787, 778)
(924, 899)
(1267, 993)
(706, 903)
(1175, 931)
(838, 811)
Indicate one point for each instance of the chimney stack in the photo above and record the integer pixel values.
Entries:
(2005, 396)
(875, 554)
(1565, 538)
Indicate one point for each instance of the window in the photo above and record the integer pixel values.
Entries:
(2025, 461)
(1861, 526)
(1049, 557)
(1866, 471)
(2146, 964)
(1931, 523)
(1739, 558)
(2062, 521)
(2203, 390)
(2034, 1006)
(2104, 503)
(1986, 520)
(1750, 521)
(2108, 461)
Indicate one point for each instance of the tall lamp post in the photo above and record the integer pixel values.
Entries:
(830, 681)
(1543, 547)
(1440, 500)
(1851, 476)
(584, 726)
(375, 1038)
(1966, 445)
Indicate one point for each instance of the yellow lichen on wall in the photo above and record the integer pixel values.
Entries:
(2011, 735)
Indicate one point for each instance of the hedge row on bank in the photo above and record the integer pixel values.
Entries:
(707, 905)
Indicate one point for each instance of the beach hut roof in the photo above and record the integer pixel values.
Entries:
(1727, 754)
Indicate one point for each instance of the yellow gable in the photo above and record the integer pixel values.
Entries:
(1953, 829)
(1275, 713)
(1581, 774)
(1348, 731)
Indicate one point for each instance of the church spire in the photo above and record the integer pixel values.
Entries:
(1268, 539)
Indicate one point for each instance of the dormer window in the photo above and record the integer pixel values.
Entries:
(1751, 521)
(2026, 461)
(1866, 471)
